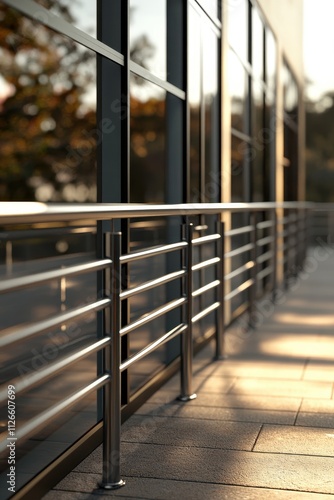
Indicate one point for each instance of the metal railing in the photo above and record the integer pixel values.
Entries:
(244, 264)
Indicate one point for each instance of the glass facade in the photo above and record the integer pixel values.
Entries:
(116, 101)
(252, 83)
(290, 134)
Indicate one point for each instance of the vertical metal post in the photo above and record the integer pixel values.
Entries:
(112, 392)
(220, 328)
(286, 247)
(187, 337)
(253, 253)
(275, 254)
(289, 273)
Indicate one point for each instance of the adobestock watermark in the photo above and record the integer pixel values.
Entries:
(56, 342)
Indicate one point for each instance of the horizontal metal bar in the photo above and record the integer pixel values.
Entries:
(22, 282)
(17, 334)
(264, 241)
(241, 288)
(206, 263)
(205, 312)
(29, 212)
(153, 346)
(40, 421)
(206, 288)
(205, 239)
(240, 230)
(239, 251)
(147, 75)
(156, 313)
(149, 285)
(201, 227)
(264, 257)
(46, 17)
(22, 384)
(265, 224)
(152, 252)
(265, 272)
(249, 265)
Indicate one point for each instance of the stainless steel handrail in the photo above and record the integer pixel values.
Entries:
(286, 222)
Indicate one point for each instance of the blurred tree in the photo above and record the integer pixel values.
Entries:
(47, 116)
(320, 149)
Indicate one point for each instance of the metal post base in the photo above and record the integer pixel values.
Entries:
(112, 486)
(221, 357)
(184, 399)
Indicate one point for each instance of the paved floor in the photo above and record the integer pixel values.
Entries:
(262, 426)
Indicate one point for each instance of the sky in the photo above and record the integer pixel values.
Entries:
(318, 46)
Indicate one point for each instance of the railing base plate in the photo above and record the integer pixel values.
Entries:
(112, 486)
(220, 357)
(184, 399)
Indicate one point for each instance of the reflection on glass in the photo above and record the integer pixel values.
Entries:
(270, 145)
(259, 138)
(194, 70)
(257, 111)
(148, 39)
(81, 13)
(238, 154)
(238, 83)
(47, 89)
(211, 100)
(257, 45)
(270, 60)
(147, 142)
(238, 27)
(290, 93)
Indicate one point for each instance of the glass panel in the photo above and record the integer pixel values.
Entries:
(238, 27)
(238, 154)
(257, 45)
(211, 100)
(147, 142)
(290, 93)
(81, 13)
(257, 112)
(194, 97)
(48, 90)
(148, 39)
(269, 139)
(238, 84)
(270, 60)
(258, 134)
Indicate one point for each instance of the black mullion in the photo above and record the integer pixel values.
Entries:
(125, 189)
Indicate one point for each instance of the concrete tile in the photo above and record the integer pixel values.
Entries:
(254, 401)
(262, 368)
(317, 405)
(296, 440)
(167, 489)
(297, 388)
(213, 384)
(320, 371)
(67, 495)
(239, 468)
(316, 420)
(213, 413)
(190, 432)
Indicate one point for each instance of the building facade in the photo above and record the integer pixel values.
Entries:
(161, 102)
